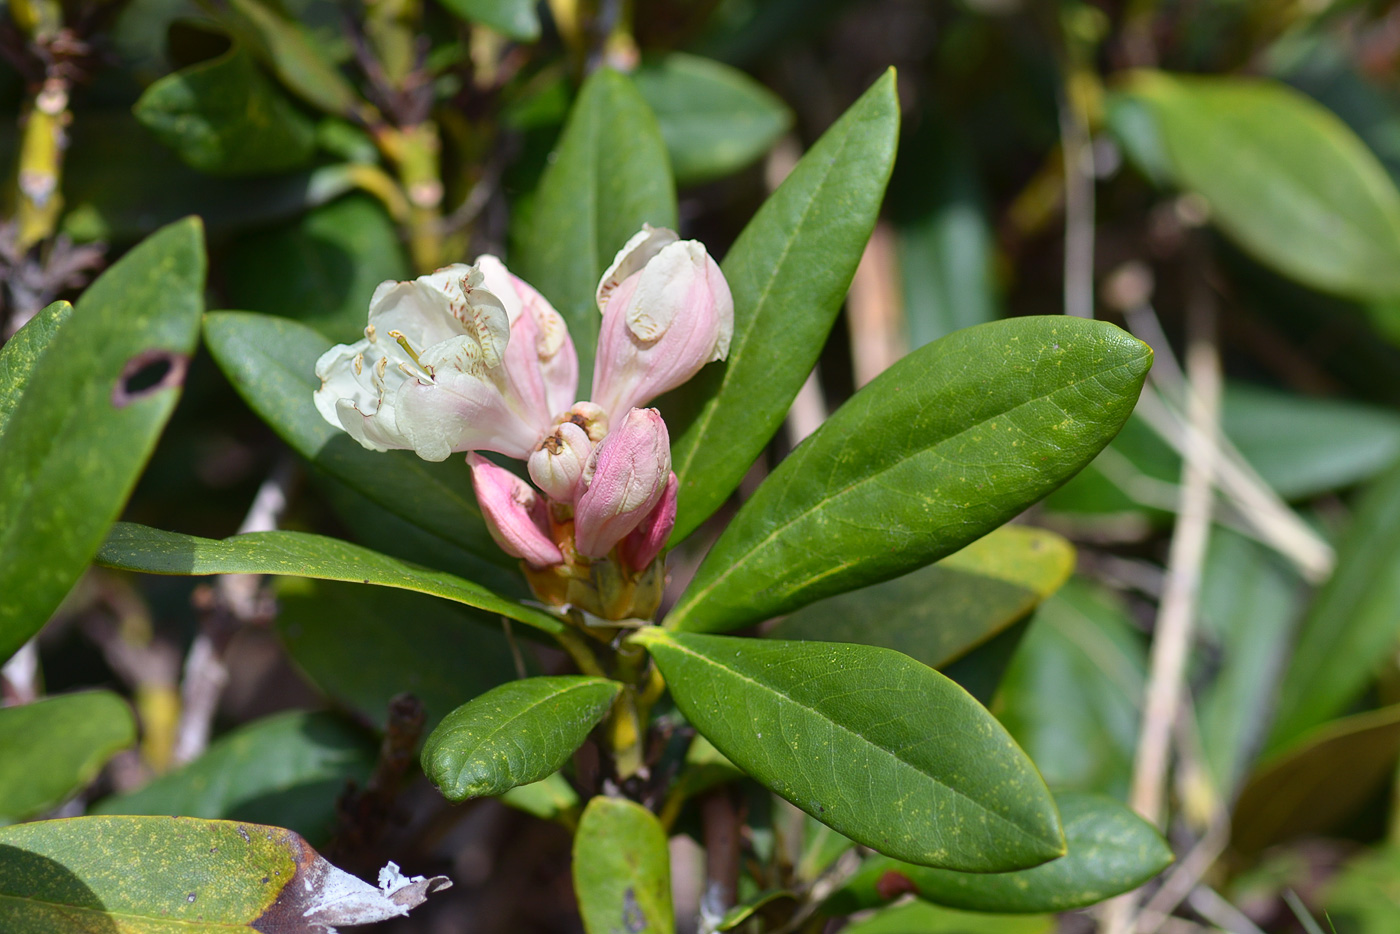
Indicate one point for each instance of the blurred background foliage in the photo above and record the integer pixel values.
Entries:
(1218, 176)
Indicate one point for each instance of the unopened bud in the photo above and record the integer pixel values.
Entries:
(557, 464)
(641, 545)
(515, 515)
(626, 477)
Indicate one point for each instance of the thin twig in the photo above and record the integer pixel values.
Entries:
(1176, 614)
(1212, 906)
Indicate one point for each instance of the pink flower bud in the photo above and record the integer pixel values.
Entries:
(667, 312)
(641, 546)
(515, 515)
(624, 479)
(557, 464)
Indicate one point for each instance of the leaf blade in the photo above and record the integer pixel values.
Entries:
(55, 746)
(869, 709)
(622, 869)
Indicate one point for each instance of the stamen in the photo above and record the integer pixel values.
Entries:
(403, 342)
(359, 363)
(370, 334)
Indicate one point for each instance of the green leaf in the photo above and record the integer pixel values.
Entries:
(949, 443)
(1250, 598)
(755, 906)
(1361, 898)
(514, 18)
(272, 363)
(288, 770)
(872, 743)
(1111, 851)
(56, 746)
(178, 875)
(1073, 693)
(622, 870)
(441, 653)
(1283, 176)
(223, 117)
(552, 798)
(515, 734)
(84, 426)
(715, 119)
(918, 917)
(134, 547)
(321, 268)
(1351, 628)
(1319, 781)
(946, 245)
(939, 613)
(788, 271)
(292, 56)
(608, 176)
(22, 351)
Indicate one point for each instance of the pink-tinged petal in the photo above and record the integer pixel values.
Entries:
(557, 464)
(541, 363)
(641, 545)
(626, 477)
(515, 515)
(660, 326)
(635, 254)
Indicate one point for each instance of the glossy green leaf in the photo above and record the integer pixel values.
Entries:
(788, 271)
(320, 269)
(944, 236)
(1326, 776)
(56, 746)
(292, 56)
(876, 745)
(22, 351)
(179, 875)
(288, 770)
(87, 419)
(222, 116)
(622, 870)
(919, 917)
(949, 443)
(441, 653)
(608, 176)
(1249, 603)
(1283, 176)
(516, 19)
(134, 547)
(1111, 851)
(1073, 693)
(272, 363)
(715, 119)
(515, 734)
(1351, 628)
(939, 613)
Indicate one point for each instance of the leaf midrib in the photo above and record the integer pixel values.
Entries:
(890, 753)
(700, 594)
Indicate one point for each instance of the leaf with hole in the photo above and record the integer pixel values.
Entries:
(949, 443)
(272, 363)
(622, 869)
(939, 613)
(1111, 851)
(515, 734)
(288, 769)
(180, 875)
(1283, 176)
(224, 117)
(788, 271)
(715, 119)
(870, 742)
(56, 746)
(134, 547)
(608, 176)
(87, 418)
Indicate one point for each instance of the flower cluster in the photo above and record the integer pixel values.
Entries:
(472, 358)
